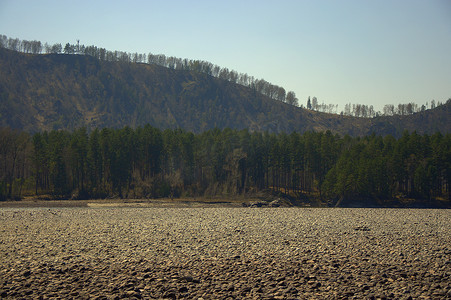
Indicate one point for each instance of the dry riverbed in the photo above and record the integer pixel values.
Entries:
(196, 252)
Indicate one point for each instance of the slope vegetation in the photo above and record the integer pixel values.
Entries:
(59, 91)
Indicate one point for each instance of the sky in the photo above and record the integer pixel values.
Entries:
(348, 51)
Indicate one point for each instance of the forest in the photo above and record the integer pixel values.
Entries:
(147, 162)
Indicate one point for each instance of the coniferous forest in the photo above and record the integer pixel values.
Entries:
(147, 162)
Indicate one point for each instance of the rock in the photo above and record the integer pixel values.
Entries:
(170, 295)
(362, 228)
(287, 253)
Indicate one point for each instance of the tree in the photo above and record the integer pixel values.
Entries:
(389, 110)
(69, 49)
(291, 98)
(3, 41)
(36, 47)
(314, 103)
(59, 183)
(281, 94)
(347, 110)
(56, 48)
(371, 112)
(309, 103)
(41, 162)
(94, 164)
(13, 151)
(78, 153)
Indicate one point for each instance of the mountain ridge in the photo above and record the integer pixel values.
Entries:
(67, 91)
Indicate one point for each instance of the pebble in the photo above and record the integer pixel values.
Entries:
(225, 253)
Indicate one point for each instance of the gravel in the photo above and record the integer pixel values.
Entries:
(225, 253)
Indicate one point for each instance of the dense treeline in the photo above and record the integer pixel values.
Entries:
(147, 163)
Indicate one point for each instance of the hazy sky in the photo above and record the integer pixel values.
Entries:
(369, 52)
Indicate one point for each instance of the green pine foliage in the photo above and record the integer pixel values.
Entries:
(147, 162)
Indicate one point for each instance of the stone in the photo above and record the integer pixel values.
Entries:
(235, 253)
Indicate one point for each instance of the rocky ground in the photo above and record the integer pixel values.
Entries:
(102, 252)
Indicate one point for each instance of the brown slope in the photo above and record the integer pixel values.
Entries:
(44, 92)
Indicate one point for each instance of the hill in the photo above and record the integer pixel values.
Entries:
(62, 91)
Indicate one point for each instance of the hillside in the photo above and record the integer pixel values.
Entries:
(58, 91)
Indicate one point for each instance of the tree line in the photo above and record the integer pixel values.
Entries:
(259, 85)
(147, 162)
(368, 111)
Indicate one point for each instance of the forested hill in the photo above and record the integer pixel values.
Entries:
(68, 91)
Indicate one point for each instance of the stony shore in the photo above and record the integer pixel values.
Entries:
(102, 252)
